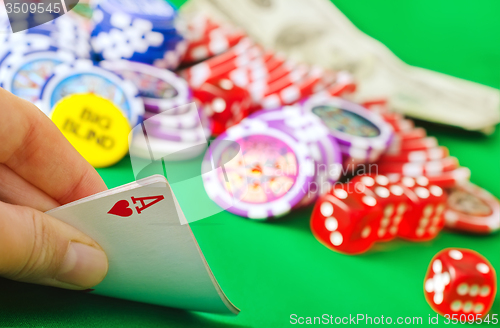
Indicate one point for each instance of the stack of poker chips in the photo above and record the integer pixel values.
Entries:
(287, 159)
(412, 153)
(69, 32)
(267, 79)
(173, 125)
(271, 82)
(141, 31)
(207, 38)
(27, 58)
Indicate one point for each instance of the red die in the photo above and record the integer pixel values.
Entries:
(425, 217)
(393, 200)
(460, 281)
(346, 220)
(226, 103)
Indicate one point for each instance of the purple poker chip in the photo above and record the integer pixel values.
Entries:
(268, 178)
(309, 129)
(324, 149)
(196, 127)
(178, 135)
(351, 124)
(161, 90)
(188, 120)
(360, 156)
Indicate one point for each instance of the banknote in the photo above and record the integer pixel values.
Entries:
(316, 32)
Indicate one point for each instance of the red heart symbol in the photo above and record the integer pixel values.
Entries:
(121, 209)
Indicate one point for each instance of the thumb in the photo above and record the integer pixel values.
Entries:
(37, 248)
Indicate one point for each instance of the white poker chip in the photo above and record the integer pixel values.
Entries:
(83, 77)
(351, 124)
(169, 150)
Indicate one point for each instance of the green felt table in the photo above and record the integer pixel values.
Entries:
(273, 270)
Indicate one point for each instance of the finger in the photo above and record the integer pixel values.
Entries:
(36, 248)
(16, 190)
(36, 150)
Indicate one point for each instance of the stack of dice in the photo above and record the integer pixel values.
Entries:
(353, 216)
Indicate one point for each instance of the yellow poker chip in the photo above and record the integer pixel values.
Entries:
(94, 126)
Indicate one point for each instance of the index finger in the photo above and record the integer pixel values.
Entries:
(33, 147)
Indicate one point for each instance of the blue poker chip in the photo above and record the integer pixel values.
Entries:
(25, 74)
(158, 12)
(145, 47)
(101, 17)
(64, 32)
(144, 31)
(19, 43)
(83, 77)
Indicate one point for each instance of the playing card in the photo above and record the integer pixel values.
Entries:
(153, 255)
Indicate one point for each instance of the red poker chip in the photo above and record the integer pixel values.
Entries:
(400, 146)
(472, 209)
(393, 118)
(416, 133)
(212, 44)
(403, 125)
(240, 49)
(379, 106)
(417, 156)
(202, 72)
(432, 168)
(445, 180)
(344, 84)
(250, 74)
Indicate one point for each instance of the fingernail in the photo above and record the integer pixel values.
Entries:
(83, 266)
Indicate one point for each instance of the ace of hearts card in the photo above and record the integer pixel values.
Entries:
(153, 254)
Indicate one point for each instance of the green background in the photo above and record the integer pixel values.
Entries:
(272, 270)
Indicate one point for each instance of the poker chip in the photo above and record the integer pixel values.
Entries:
(472, 209)
(214, 42)
(308, 129)
(146, 33)
(419, 169)
(94, 126)
(186, 120)
(177, 135)
(207, 38)
(444, 180)
(65, 32)
(82, 77)
(160, 90)
(403, 125)
(25, 74)
(271, 178)
(170, 150)
(398, 146)
(159, 13)
(356, 156)
(351, 124)
(416, 133)
(417, 156)
(21, 43)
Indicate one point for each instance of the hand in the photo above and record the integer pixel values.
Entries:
(40, 170)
